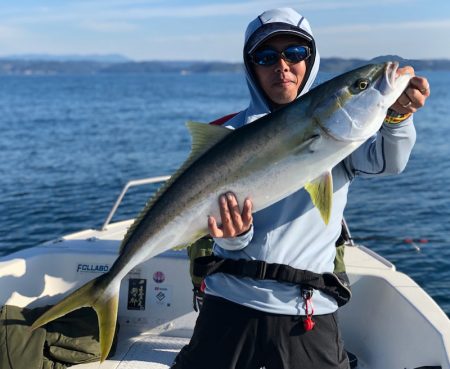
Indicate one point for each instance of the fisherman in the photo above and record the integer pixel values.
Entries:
(248, 322)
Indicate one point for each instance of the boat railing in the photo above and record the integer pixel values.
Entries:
(132, 183)
(346, 230)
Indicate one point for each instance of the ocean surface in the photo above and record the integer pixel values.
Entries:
(68, 144)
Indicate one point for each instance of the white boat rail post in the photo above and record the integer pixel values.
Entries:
(133, 183)
(350, 241)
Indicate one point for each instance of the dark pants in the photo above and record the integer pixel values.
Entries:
(232, 336)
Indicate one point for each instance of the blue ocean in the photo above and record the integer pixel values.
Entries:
(68, 144)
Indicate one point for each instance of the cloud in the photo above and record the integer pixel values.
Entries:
(109, 27)
(119, 11)
(413, 40)
(11, 37)
(188, 11)
(397, 26)
(211, 46)
(333, 4)
(7, 32)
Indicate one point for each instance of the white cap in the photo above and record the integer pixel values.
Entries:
(276, 21)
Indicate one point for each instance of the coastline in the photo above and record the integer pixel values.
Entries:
(17, 66)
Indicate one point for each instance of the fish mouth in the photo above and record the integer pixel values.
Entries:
(391, 73)
(392, 77)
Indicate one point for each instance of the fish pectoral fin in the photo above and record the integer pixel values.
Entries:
(205, 136)
(89, 295)
(308, 145)
(321, 192)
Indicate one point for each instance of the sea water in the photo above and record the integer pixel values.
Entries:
(68, 144)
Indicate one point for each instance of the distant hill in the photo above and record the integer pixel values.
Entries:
(339, 65)
(183, 67)
(103, 58)
(116, 64)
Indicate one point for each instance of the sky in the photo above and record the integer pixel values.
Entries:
(214, 30)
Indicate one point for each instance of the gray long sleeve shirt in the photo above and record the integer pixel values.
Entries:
(291, 231)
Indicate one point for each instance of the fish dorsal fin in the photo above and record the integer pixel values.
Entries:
(321, 192)
(204, 136)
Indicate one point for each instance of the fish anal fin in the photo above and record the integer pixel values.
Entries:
(321, 192)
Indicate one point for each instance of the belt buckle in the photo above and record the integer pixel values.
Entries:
(307, 292)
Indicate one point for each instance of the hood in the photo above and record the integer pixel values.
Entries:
(270, 23)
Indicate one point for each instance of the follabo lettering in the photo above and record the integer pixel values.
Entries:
(92, 268)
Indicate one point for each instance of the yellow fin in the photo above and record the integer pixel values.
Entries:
(82, 297)
(91, 294)
(107, 318)
(204, 136)
(321, 192)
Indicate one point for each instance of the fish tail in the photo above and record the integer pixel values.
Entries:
(90, 295)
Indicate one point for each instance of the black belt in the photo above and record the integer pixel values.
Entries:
(328, 283)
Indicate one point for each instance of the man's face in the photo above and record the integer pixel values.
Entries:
(282, 80)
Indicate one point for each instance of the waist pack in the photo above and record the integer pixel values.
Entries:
(328, 283)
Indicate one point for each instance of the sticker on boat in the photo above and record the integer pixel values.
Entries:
(137, 290)
(161, 295)
(92, 268)
(159, 277)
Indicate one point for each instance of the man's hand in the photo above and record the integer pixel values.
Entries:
(414, 96)
(234, 222)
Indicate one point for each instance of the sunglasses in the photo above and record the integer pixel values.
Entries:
(292, 54)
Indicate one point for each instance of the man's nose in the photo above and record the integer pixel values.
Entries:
(281, 66)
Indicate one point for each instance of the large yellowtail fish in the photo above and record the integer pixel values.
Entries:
(267, 160)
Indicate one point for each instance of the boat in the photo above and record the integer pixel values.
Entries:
(390, 322)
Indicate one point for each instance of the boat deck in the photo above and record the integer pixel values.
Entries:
(145, 352)
(159, 350)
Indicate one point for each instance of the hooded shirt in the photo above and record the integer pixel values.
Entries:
(291, 231)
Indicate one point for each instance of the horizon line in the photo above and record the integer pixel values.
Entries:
(126, 59)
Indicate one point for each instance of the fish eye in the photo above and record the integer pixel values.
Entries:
(359, 85)
(362, 84)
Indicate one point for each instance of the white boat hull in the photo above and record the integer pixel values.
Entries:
(390, 322)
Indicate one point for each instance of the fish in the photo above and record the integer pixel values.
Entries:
(292, 148)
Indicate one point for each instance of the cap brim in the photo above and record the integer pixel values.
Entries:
(269, 30)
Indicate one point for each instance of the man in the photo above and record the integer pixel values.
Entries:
(249, 323)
